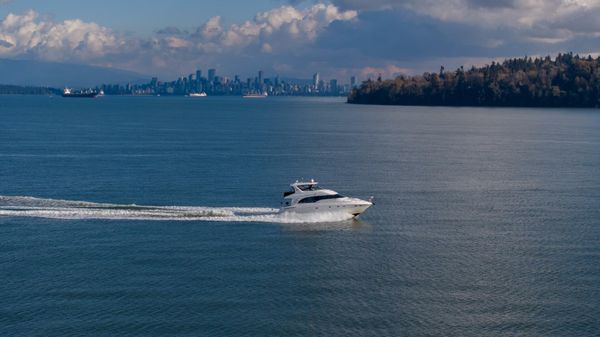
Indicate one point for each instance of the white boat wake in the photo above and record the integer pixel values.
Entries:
(24, 206)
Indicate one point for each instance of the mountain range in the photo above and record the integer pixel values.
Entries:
(58, 75)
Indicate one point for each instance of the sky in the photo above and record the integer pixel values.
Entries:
(295, 38)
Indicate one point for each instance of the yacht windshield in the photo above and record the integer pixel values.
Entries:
(308, 187)
(290, 192)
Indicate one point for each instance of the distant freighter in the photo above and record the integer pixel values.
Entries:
(255, 95)
(67, 92)
(197, 94)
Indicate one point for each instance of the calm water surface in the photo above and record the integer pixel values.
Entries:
(487, 221)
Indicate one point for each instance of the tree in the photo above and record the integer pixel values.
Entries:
(568, 80)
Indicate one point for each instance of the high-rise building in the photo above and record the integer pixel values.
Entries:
(333, 87)
(260, 78)
(316, 80)
(211, 74)
(353, 82)
(198, 75)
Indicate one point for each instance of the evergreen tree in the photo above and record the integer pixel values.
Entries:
(567, 81)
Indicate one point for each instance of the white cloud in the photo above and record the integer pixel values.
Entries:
(505, 26)
(28, 34)
(272, 32)
(212, 28)
(299, 25)
(266, 48)
(175, 42)
(492, 13)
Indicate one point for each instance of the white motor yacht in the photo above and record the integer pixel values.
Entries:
(308, 197)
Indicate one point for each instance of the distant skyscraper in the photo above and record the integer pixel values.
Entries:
(353, 82)
(211, 74)
(198, 75)
(316, 80)
(333, 87)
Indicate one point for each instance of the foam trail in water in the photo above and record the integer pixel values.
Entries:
(24, 206)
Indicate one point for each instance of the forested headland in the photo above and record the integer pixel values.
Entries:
(565, 81)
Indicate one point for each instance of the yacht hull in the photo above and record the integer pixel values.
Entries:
(351, 210)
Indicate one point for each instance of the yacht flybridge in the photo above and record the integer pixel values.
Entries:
(308, 197)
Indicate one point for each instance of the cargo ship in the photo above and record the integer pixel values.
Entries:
(255, 95)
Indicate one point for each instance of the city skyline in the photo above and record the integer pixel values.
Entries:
(215, 84)
(341, 38)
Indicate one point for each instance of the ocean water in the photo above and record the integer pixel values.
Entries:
(156, 216)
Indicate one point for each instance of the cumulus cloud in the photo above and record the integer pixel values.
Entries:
(275, 32)
(416, 34)
(266, 28)
(30, 35)
(393, 32)
(494, 13)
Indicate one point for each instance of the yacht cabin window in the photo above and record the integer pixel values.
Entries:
(319, 198)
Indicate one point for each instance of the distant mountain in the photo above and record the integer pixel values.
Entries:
(58, 75)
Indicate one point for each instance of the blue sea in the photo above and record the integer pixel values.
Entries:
(157, 216)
